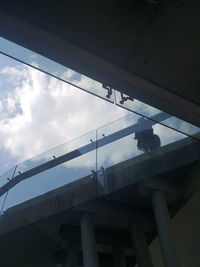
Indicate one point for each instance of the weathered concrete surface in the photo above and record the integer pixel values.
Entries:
(31, 230)
(153, 164)
(122, 176)
(48, 204)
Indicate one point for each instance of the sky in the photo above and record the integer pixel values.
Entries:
(39, 112)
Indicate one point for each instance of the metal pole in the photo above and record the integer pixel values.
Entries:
(72, 255)
(139, 243)
(90, 257)
(164, 230)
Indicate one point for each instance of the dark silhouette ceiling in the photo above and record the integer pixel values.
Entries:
(147, 49)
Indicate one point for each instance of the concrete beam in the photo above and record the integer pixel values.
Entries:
(95, 67)
(165, 185)
(108, 237)
(104, 208)
(171, 188)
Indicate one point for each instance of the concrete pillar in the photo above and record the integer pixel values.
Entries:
(72, 255)
(139, 243)
(119, 257)
(162, 218)
(90, 257)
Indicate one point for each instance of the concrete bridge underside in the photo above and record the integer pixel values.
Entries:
(73, 226)
(144, 48)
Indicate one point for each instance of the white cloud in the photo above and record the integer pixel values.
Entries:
(15, 75)
(40, 112)
(46, 112)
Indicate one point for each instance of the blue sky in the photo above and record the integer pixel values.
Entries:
(38, 112)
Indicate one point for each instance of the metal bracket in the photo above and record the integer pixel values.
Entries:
(125, 98)
(109, 89)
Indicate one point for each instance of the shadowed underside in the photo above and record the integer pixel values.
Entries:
(149, 51)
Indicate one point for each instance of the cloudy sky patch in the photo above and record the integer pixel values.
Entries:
(39, 112)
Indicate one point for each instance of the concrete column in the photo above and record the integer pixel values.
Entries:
(139, 243)
(162, 218)
(72, 255)
(119, 257)
(90, 257)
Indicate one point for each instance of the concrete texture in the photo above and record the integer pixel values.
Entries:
(151, 164)
(31, 231)
(123, 175)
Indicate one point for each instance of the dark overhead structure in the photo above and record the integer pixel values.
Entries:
(144, 48)
(105, 202)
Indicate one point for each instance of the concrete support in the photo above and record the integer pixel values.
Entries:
(72, 255)
(90, 257)
(163, 225)
(139, 243)
(119, 257)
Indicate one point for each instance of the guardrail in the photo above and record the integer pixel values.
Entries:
(85, 156)
(86, 84)
(92, 152)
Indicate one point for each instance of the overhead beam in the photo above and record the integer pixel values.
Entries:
(102, 208)
(63, 52)
(103, 236)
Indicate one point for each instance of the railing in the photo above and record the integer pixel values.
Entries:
(85, 159)
(82, 82)
(89, 155)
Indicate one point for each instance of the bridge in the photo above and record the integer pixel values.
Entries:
(99, 201)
